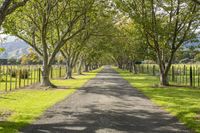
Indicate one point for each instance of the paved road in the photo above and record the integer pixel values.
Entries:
(106, 104)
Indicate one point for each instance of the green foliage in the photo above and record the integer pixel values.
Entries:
(197, 57)
(13, 61)
(2, 50)
(166, 26)
(31, 59)
(46, 25)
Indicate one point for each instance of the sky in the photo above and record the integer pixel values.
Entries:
(7, 37)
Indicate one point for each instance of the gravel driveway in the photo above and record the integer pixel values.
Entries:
(106, 104)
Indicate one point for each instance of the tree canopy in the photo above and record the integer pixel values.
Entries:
(96, 32)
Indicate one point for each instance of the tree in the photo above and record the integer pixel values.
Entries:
(166, 25)
(71, 52)
(99, 20)
(9, 6)
(2, 40)
(13, 61)
(47, 26)
(31, 59)
(197, 57)
(1, 50)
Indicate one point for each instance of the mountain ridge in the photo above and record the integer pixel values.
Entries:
(14, 49)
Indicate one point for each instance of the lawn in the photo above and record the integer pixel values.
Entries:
(184, 103)
(22, 107)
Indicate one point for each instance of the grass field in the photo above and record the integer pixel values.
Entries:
(184, 103)
(22, 107)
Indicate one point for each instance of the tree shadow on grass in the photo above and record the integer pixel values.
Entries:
(11, 127)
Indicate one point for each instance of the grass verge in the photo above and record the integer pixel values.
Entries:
(22, 107)
(184, 103)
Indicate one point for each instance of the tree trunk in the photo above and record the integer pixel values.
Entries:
(164, 79)
(131, 67)
(69, 72)
(135, 68)
(45, 77)
(86, 68)
(79, 68)
(120, 66)
(90, 67)
(165, 68)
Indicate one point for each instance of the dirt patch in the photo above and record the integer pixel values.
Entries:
(197, 117)
(38, 87)
(4, 114)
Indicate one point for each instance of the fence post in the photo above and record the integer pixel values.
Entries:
(34, 75)
(154, 70)
(173, 78)
(194, 74)
(24, 76)
(60, 71)
(198, 76)
(1, 76)
(6, 87)
(142, 69)
(28, 69)
(190, 76)
(51, 72)
(186, 76)
(138, 68)
(39, 73)
(16, 78)
(180, 75)
(11, 78)
(184, 69)
(31, 72)
(20, 72)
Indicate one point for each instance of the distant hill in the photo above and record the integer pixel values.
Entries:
(14, 49)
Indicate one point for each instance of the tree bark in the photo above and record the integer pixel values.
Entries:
(131, 67)
(9, 6)
(79, 68)
(69, 72)
(45, 77)
(90, 67)
(135, 68)
(164, 79)
(86, 68)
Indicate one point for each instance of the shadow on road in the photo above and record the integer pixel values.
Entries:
(106, 104)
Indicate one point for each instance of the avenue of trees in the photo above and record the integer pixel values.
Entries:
(90, 33)
(165, 24)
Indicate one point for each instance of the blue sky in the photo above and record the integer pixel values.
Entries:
(8, 38)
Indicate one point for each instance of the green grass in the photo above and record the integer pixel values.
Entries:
(184, 103)
(25, 105)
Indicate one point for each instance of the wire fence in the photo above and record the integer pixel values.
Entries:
(13, 77)
(182, 75)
